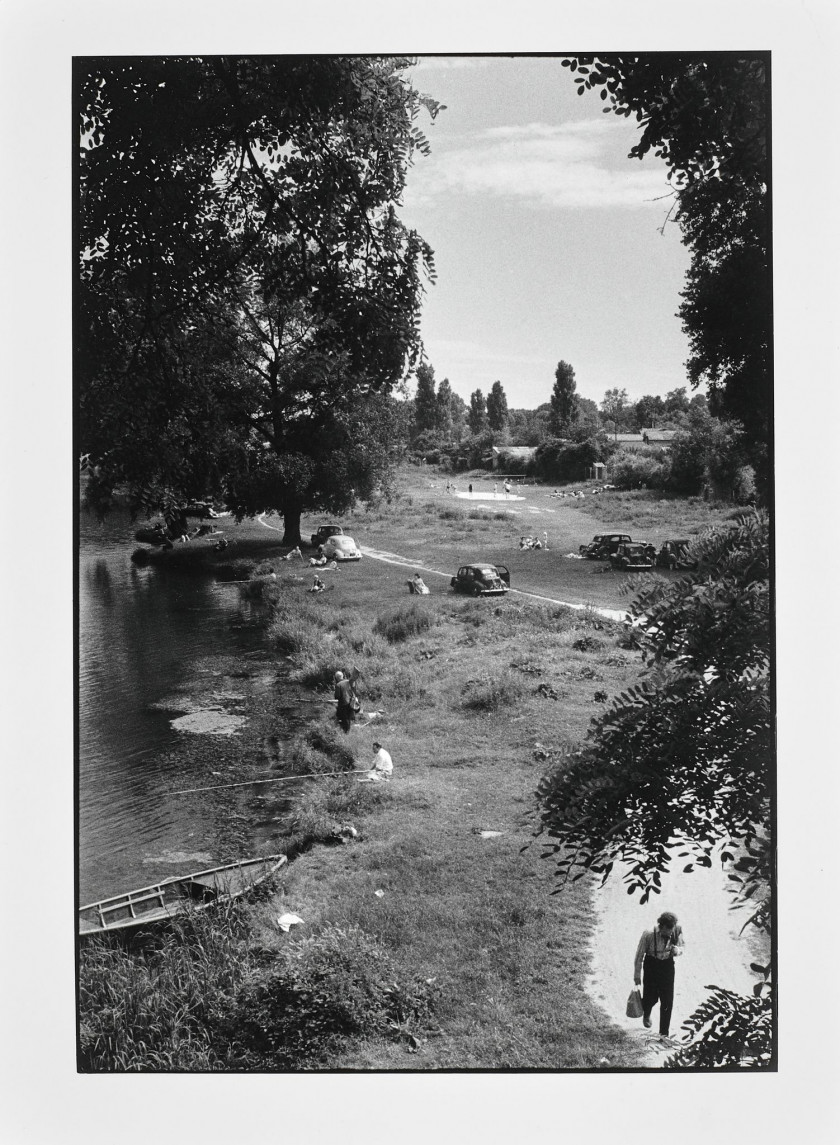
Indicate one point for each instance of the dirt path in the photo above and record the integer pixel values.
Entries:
(403, 562)
(715, 953)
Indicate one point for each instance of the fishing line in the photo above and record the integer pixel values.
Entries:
(251, 782)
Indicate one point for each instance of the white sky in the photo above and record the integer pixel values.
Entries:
(546, 236)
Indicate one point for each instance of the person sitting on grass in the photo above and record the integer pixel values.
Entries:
(317, 584)
(294, 553)
(317, 562)
(419, 586)
(382, 766)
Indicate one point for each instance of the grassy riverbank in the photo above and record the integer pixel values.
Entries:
(431, 938)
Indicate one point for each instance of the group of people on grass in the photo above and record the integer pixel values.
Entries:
(534, 542)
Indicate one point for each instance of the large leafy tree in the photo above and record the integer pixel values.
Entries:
(246, 286)
(477, 414)
(564, 401)
(613, 405)
(682, 762)
(497, 407)
(707, 116)
(425, 400)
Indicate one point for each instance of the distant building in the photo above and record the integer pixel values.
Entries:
(655, 436)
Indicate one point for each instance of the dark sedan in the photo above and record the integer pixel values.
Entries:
(482, 580)
(633, 556)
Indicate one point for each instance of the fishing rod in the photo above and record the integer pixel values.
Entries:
(279, 779)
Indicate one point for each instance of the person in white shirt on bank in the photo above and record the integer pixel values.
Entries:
(382, 766)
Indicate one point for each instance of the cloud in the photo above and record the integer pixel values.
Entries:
(581, 164)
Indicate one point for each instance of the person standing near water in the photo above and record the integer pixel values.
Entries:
(347, 704)
(655, 955)
(470, 489)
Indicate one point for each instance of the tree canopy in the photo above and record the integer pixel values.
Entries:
(497, 407)
(564, 401)
(477, 414)
(707, 117)
(682, 762)
(245, 282)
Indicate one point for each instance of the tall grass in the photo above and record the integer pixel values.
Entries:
(409, 620)
(207, 996)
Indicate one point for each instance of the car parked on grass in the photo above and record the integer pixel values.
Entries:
(202, 509)
(603, 545)
(482, 580)
(674, 555)
(323, 533)
(340, 547)
(633, 555)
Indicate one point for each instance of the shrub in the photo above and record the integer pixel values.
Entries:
(338, 984)
(293, 634)
(492, 694)
(633, 470)
(409, 620)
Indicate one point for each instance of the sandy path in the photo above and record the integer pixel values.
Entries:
(715, 954)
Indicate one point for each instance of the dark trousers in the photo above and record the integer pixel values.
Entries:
(658, 986)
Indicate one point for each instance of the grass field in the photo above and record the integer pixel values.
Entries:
(444, 878)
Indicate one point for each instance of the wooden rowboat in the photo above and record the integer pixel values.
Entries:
(169, 897)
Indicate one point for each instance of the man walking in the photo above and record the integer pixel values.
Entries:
(655, 954)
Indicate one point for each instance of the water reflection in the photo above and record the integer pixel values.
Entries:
(141, 634)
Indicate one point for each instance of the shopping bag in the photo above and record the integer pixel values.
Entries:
(634, 1004)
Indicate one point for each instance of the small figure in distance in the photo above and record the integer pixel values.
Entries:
(419, 586)
(317, 584)
(655, 955)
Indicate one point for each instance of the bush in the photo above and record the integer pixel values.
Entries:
(409, 620)
(634, 470)
(339, 984)
(492, 694)
(557, 461)
(205, 998)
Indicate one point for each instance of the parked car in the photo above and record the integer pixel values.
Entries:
(323, 533)
(603, 545)
(674, 555)
(340, 547)
(482, 580)
(202, 509)
(633, 555)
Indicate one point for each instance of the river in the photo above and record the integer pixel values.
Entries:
(142, 632)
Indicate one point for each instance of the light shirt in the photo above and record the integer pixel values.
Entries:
(383, 763)
(658, 947)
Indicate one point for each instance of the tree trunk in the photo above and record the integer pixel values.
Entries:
(291, 527)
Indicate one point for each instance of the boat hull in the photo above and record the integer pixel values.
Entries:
(170, 897)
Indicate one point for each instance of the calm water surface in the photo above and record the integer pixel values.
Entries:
(141, 634)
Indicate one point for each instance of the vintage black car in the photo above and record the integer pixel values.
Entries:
(323, 533)
(482, 580)
(603, 545)
(633, 555)
(202, 509)
(674, 555)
